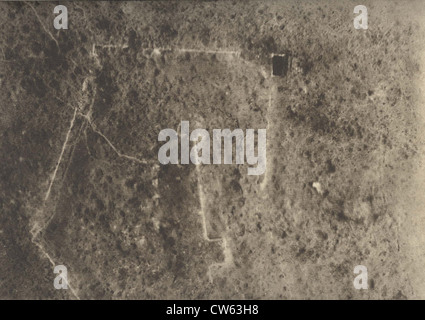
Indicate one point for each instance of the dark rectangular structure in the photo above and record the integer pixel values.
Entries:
(280, 65)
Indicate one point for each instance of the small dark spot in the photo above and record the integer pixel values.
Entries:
(341, 216)
(330, 167)
(133, 40)
(320, 100)
(322, 235)
(280, 65)
(103, 24)
(306, 66)
(168, 31)
(300, 252)
(99, 205)
(236, 187)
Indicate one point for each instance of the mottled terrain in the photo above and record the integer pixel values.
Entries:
(81, 184)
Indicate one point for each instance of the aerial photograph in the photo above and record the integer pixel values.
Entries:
(212, 151)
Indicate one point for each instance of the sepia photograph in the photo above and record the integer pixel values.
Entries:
(212, 151)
